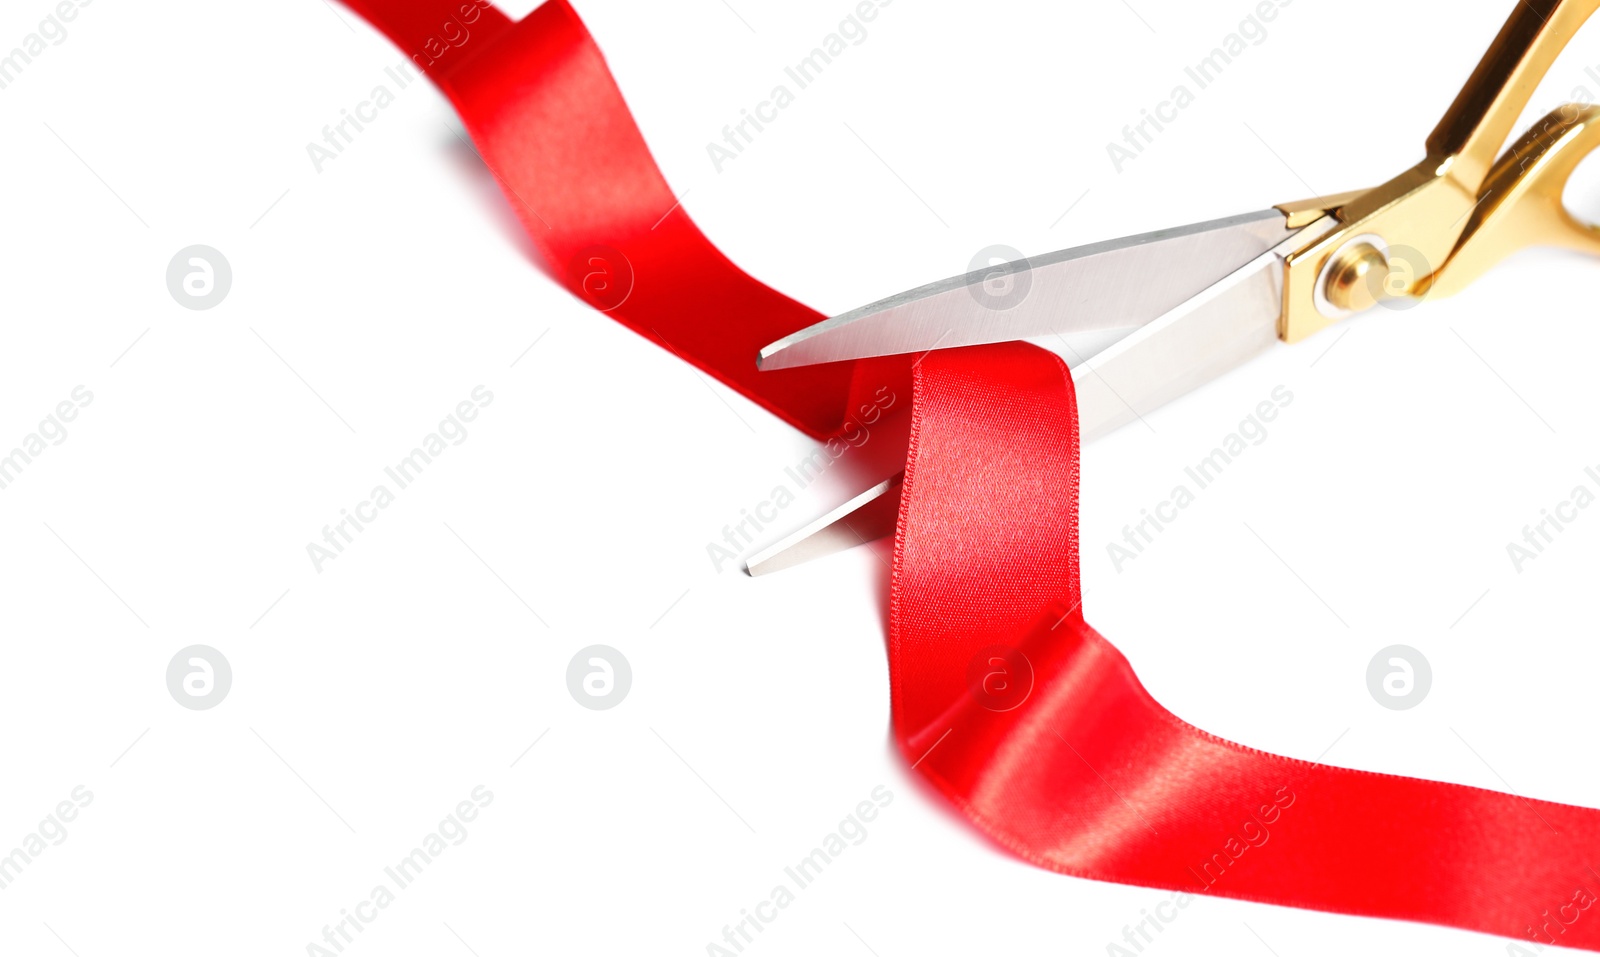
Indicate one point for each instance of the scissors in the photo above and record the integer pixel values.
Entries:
(1150, 317)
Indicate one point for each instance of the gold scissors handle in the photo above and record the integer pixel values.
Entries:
(1522, 201)
(1439, 225)
(1479, 122)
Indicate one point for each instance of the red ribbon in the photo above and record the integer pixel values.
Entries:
(1003, 697)
(1040, 731)
(549, 121)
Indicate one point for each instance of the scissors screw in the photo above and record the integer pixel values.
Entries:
(1355, 276)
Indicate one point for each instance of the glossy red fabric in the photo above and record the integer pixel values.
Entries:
(1010, 704)
(548, 120)
(1039, 730)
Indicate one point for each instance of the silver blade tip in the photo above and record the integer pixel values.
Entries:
(780, 355)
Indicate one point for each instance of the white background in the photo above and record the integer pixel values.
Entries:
(370, 298)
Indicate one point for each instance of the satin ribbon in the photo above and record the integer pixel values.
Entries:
(549, 121)
(1009, 703)
(1034, 725)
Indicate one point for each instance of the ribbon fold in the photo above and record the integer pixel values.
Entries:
(1039, 730)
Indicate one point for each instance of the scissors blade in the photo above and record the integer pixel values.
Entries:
(1103, 288)
(1223, 326)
